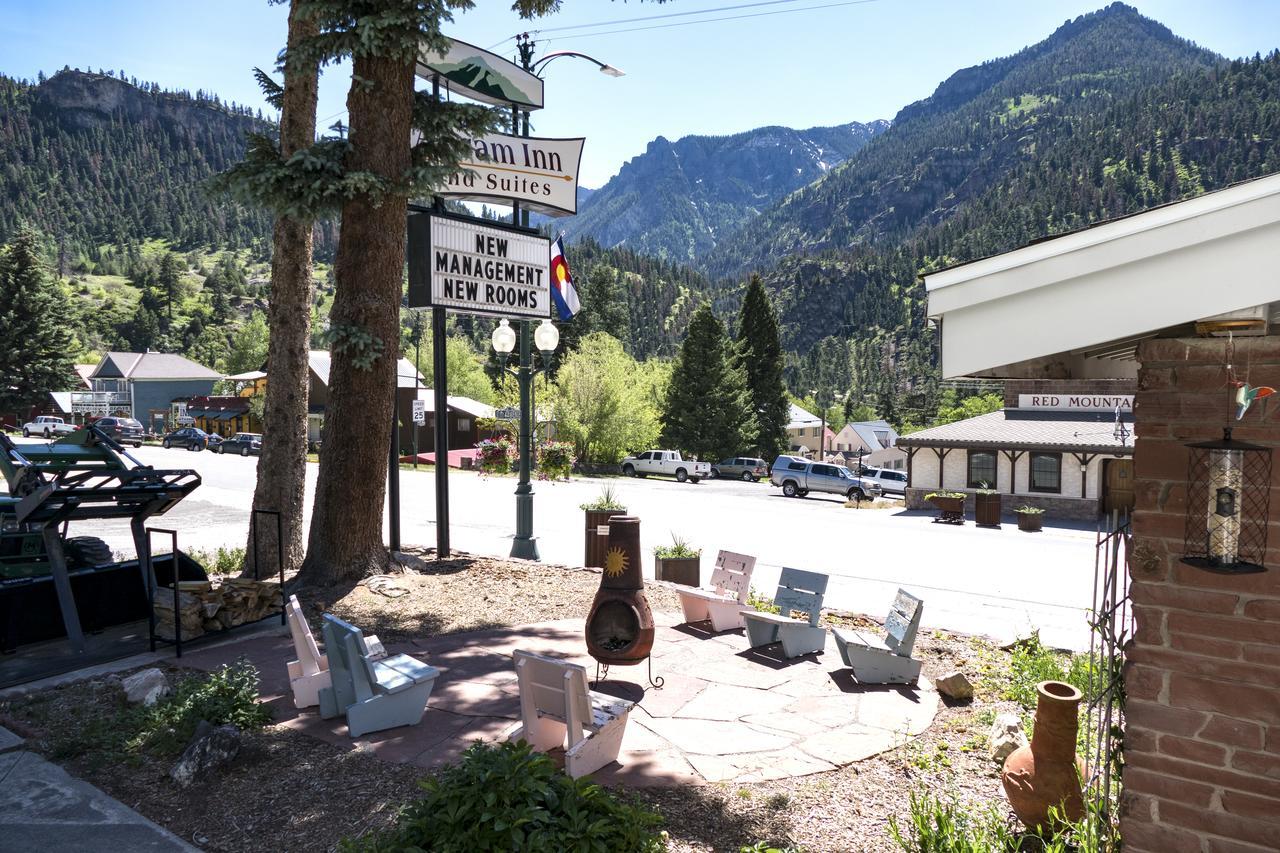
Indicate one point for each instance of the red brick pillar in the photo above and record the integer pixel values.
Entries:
(1202, 742)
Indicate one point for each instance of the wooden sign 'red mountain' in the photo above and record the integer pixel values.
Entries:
(481, 75)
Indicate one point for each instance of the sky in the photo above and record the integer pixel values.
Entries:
(798, 63)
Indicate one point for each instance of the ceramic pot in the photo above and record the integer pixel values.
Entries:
(1047, 772)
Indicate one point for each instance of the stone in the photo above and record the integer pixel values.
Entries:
(1006, 736)
(211, 747)
(145, 687)
(955, 685)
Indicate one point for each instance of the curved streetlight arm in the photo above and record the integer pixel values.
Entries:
(605, 68)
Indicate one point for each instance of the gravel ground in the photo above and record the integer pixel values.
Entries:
(287, 787)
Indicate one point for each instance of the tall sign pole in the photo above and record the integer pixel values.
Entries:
(524, 545)
(440, 381)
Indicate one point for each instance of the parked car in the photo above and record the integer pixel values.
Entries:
(666, 463)
(189, 437)
(798, 476)
(243, 443)
(48, 426)
(123, 430)
(891, 482)
(747, 468)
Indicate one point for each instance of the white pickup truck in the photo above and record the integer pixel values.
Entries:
(665, 462)
(48, 426)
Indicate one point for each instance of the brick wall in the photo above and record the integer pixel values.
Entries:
(1014, 387)
(1202, 742)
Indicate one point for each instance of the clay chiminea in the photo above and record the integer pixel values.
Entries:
(620, 624)
(1047, 773)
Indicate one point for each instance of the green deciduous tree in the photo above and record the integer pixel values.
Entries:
(605, 402)
(249, 345)
(759, 354)
(707, 411)
(36, 339)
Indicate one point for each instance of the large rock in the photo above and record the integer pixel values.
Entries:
(145, 687)
(1006, 736)
(955, 685)
(210, 748)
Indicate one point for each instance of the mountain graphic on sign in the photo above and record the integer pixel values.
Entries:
(474, 73)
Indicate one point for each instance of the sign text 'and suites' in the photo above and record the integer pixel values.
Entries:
(1077, 402)
(475, 268)
(541, 174)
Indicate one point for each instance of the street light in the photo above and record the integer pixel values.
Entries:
(546, 337)
(605, 68)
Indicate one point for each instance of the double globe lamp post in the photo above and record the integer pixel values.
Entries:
(546, 337)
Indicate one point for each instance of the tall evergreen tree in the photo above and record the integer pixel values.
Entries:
(759, 354)
(36, 355)
(708, 408)
(169, 284)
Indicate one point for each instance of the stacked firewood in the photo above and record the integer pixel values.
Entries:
(204, 607)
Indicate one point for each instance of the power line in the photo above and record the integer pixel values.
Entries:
(724, 18)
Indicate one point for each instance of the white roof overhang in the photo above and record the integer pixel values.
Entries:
(1094, 294)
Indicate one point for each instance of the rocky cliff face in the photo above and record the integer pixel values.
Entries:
(678, 199)
(86, 101)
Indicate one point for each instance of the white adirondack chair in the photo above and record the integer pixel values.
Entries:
(724, 602)
(887, 661)
(555, 702)
(797, 591)
(373, 694)
(309, 674)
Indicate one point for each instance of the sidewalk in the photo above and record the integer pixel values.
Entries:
(43, 808)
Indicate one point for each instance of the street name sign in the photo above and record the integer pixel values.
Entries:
(508, 413)
(482, 76)
(419, 412)
(541, 174)
(469, 266)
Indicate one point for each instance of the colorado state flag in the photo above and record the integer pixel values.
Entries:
(562, 292)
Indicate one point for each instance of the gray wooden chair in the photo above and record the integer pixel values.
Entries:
(797, 591)
(373, 694)
(885, 661)
(725, 601)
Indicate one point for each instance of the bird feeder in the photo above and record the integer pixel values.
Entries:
(1228, 497)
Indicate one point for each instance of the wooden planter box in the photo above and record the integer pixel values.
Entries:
(682, 570)
(1030, 522)
(596, 542)
(986, 510)
(949, 505)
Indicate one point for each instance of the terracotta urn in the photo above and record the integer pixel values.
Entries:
(1047, 772)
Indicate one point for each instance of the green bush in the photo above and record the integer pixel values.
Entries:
(944, 826)
(679, 549)
(229, 694)
(508, 797)
(222, 561)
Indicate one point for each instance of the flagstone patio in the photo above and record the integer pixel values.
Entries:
(724, 714)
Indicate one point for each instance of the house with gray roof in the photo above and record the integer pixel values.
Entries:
(874, 442)
(142, 385)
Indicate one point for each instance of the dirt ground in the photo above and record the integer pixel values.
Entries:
(287, 791)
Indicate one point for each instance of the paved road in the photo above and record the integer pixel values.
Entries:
(997, 582)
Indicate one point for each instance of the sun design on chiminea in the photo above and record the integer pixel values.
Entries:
(615, 562)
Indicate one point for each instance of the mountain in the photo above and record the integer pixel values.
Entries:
(978, 126)
(678, 199)
(93, 159)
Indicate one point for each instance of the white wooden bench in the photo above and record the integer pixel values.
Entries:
(724, 602)
(885, 661)
(309, 674)
(798, 591)
(373, 694)
(555, 702)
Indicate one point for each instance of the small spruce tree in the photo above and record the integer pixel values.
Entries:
(707, 411)
(759, 354)
(37, 355)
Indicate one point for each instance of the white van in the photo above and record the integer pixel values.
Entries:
(891, 482)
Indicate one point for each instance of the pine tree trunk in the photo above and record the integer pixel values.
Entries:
(346, 523)
(282, 467)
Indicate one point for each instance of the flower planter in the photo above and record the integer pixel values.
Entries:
(598, 543)
(948, 504)
(1030, 522)
(986, 509)
(681, 570)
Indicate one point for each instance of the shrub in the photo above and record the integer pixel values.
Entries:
(947, 495)
(222, 561)
(1031, 663)
(760, 603)
(508, 797)
(606, 500)
(229, 694)
(944, 826)
(678, 549)
(495, 456)
(1029, 510)
(555, 459)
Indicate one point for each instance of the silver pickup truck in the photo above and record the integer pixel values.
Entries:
(665, 463)
(798, 476)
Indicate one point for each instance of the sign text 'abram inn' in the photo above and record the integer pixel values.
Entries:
(473, 268)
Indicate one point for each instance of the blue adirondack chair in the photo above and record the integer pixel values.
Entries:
(797, 591)
(887, 661)
(373, 694)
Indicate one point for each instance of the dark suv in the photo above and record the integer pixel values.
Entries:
(243, 443)
(123, 430)
(189, 437)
